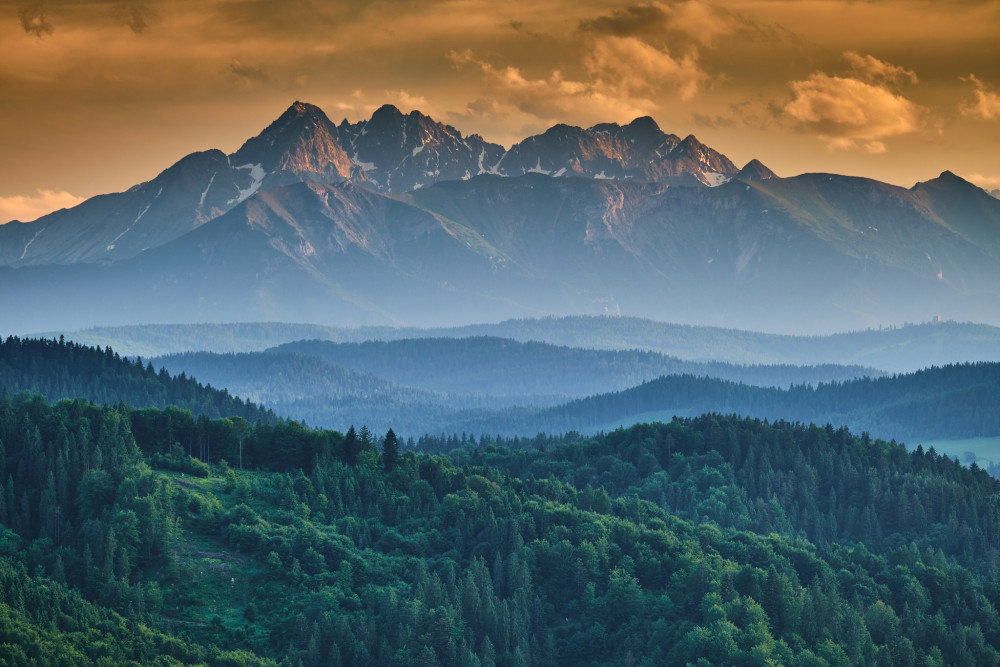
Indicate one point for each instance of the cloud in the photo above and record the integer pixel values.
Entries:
(631, 21)
(988, 183)
(987, 103)
(26, 208)
(856, 111)
(622, 77)
(681, 23)
(135, 15)
(408, 101)
(481, 109)
(551, 98)
(878, 72)
(247, 73)
(630, 66)
(712, 120)
(33, 19)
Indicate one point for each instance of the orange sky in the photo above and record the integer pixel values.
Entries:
(96, 96)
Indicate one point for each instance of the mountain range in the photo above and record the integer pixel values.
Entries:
(401, 220)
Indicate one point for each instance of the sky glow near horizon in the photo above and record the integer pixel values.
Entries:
(96, 96)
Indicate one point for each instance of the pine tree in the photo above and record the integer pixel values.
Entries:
(352, 447)
(390, 450)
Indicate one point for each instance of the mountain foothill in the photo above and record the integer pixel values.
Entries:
(402, 220)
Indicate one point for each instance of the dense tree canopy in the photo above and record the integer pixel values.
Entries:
(717, 539)
(59, 369)
(164, 536)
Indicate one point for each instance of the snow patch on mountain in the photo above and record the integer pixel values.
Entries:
(257, 175)
(201, 202)
(111, 246)
(26, 245)
(537, 169)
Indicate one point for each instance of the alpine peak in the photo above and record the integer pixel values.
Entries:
(387, 111)
(947, 179)
(755, 170)
(644, 124)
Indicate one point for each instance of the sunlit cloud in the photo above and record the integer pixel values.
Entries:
(623, 76)
(408, 101)
(630, 67)
(30, 207)
(989, 183)
(878, 72)
(986, 104)
(856, 111)
(553, 97)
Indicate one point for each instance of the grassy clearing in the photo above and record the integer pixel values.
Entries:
(217, 581)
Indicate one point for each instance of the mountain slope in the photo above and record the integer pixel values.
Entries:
(115, 226)
(823, 252)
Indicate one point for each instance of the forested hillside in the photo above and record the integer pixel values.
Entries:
(500, 366)
(423, 385)
(951, 402)
(899, 349)
(954, 401)
(64, 369)
(718, 539)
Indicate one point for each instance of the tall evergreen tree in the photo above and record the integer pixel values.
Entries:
(390, 449)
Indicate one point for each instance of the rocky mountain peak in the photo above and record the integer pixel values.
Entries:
(755, 170)
(690, 145)
(710, 162)
(301, 141)
(644, 130)
(386, 112)
(948, 180)
(399, 152)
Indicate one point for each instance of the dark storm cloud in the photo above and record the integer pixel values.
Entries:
(628, 22)
(685, 23)
(135, 15)
(711, 120)
(33, 19)
(282, 17)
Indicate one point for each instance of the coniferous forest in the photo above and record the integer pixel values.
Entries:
(139, 534)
